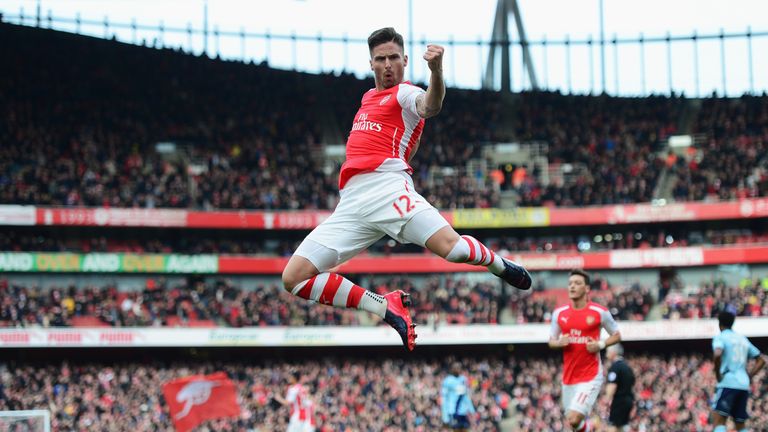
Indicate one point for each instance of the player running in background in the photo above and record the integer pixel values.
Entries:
(619, 390)
(732, 352)
(456, 400)
(378, 197)
(575, 329)
(302, 408)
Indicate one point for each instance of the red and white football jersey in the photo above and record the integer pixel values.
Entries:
(302, 408)
(581, 326)
(384, 132)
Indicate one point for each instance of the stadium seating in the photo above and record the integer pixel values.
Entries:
(521, 391)
(235, 150)
(437, 301)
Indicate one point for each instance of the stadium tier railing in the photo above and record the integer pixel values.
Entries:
(19, 215)
(477, 334)
(66, 262)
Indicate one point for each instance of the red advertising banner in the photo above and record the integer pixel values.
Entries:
(649, 213)
(463, 218)
(111, 217)
(615, 259)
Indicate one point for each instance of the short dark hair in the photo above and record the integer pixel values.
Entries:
(581, 273)
(726, 319)
(456, 368)
(384, 35)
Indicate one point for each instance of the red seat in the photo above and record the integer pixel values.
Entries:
(201, 323)
(88, 321)
(173, 321)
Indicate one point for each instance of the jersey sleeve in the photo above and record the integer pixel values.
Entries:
(613, 375)
(554, 328)
(292, 393)
(753, 351)
(717, 343)
(608, 323)
(444, 394)
(406, 96)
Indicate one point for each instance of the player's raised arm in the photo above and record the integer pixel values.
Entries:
(430, 103)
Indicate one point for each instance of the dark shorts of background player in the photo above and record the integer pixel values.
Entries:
(621, 409)
(732, 403)
(459, 422)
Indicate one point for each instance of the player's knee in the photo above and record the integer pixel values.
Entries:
(455, 254)
(292, 278)
(289, 281)
(574, 419)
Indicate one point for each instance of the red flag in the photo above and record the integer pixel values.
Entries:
(197, 398)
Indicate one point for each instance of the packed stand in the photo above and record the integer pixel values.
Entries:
(447, 299)
(87, 136)
(614, 140)
(437, 300)
(348, 395)
(195, 303)
(226, 303)
(625, 302)
(672, 393)
(731, 163)
(749, 298)
(240, 141)
(91, 141)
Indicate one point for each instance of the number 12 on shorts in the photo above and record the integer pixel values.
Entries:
(404, 200)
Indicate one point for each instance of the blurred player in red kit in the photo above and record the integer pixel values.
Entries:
(576, 330)
(302, 408)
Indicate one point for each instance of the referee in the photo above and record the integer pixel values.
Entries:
(621, 380)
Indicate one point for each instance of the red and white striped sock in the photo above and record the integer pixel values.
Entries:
(470, 251)
(583, 426)
(335, 290)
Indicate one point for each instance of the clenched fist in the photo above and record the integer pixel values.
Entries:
(434, 57)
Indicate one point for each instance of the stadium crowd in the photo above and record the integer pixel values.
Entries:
(732, 162)
(632, 302)
(437, 300)
(193, 303)
(672, 393)
(85, 134)
(615, 140)
(708, 299)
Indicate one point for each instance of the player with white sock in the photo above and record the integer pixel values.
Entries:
(575, 330)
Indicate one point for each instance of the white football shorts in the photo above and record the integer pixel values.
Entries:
(297, 425)
(372, 205)
(581, 397)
